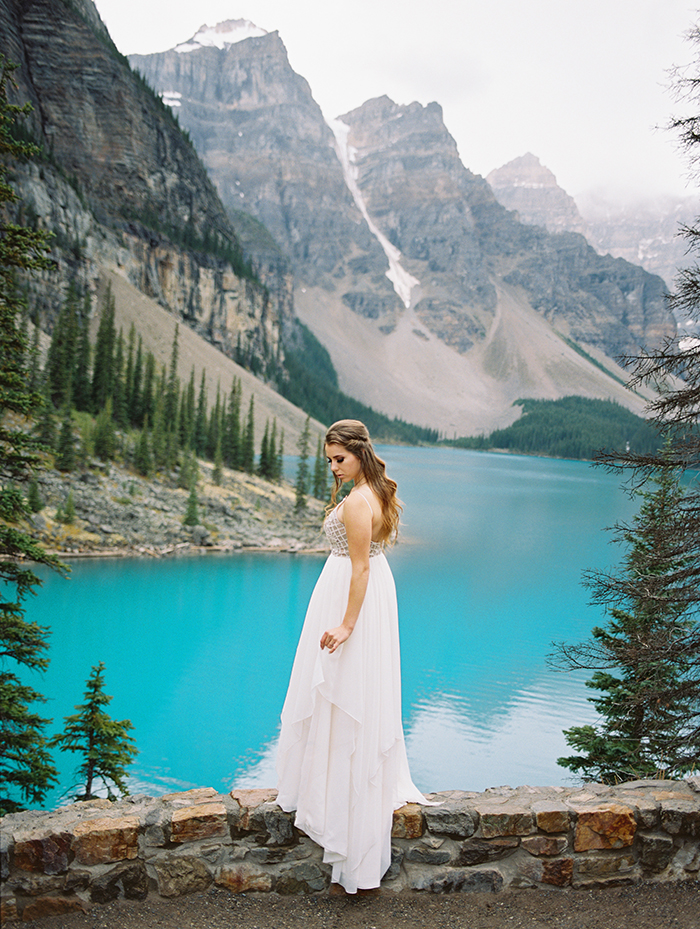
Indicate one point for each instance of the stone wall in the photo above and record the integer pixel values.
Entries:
(94, 852)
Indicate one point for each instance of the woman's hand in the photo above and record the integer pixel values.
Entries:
(332, 638)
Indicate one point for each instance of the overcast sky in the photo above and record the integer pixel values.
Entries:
(583, 84)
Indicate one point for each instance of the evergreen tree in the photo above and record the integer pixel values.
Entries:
(143, 460)
(200, 422)
(69, 511)
(129, 375)
(148, 403)
(231, 445)
(218, 472)
(159, 439)
(136, 404)
(105, 344)
(65, 453)
(104, 438)
(34, 501)
(62, 356)
(82, 388)
(302, 482)
(191, 513)
(26, 770)
(214, 430)
(280, 458)
(320, 479)
(119, 411)
(265, 462)
(248, 440)
(187, 415)
(106, 747)
(172, 391)
(46, 424)
(34, 382)
(647, 673)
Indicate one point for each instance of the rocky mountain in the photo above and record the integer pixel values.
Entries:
(643, 232)
(436, 303)
(123, 189)
(531, 190)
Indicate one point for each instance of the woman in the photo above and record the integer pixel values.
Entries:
(342, 760)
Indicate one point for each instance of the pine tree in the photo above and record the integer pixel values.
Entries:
(104, 438)
(82, 388)
(119, 411)
(34, 382)
(320, 479)
(264, 462)
(231, 446)
(26, 770)
(192, 513)
(143, 460)
(218, 472)
(65, 453)
(137, 412)
(200, 422)
(302, 482)
(105, 344)
(45, 428)
(129, 375)
(159, 439)
(62, 356)
(187, 415)
(646, 671)
(248, 440)
(148, 403)
(34, 501)
(69, 511)
(172, 391)
(280, 458)
(104, 743)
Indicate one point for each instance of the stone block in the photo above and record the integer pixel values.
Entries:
(551, 816)
(505, 819)
(52, 906)
(594, 870)
(607, 826)
(397, 855)
(458, 880)
(558, 872)
(181, 875)
(453, 817)
(680, 817)
(549, 845)
(201, 821)
(8, 910)
(190, 797)
(44, 852)
(656, 851)
(424, 854)
(479, 851)
(129, 880)
(305, 878)
(38, 885)
(100, 841)
(408, 822)
(6, 843)
(243, 877)
(694, 783)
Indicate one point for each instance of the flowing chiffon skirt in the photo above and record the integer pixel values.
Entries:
(342, 759)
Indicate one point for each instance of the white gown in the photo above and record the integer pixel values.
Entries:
(342, 759)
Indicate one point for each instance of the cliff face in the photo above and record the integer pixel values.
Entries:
(399, 252)
(263, 138)
(121, 185)
(531, 190)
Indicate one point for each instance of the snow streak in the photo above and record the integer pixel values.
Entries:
(403, 281)
(221, 35)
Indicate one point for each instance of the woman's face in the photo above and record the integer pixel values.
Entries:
(344, 464)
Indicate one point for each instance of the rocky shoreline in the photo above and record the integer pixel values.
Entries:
(120, 513)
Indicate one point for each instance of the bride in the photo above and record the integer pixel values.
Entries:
(342, 759)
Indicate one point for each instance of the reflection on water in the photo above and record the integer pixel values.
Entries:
(198, 651)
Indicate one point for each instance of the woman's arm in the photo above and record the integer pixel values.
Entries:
(357, 517)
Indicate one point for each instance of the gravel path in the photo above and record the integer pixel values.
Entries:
(646, 906)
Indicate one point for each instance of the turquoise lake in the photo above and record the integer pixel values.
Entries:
(198, 650)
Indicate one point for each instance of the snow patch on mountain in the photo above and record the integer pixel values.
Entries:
(222, 35)
(403, 282)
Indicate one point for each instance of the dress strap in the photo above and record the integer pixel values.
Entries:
(366, 501)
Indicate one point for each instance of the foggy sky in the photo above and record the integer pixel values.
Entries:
(582, 85)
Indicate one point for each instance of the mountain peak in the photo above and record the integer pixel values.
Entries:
(224, 34)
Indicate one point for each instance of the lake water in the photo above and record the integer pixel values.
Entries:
(198, 650)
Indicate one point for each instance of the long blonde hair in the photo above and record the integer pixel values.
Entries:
(353, 436)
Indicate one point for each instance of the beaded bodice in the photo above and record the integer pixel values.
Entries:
(336, 535)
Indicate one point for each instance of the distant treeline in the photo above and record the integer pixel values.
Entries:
(573, 427)
(312, 384)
